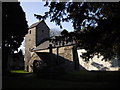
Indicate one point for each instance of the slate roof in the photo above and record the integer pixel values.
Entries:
(35, 24)
(43, 45)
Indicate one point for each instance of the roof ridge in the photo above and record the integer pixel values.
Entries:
(35, 24)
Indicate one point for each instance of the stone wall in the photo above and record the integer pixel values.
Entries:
(66, 57)
(32, 40)
(98, 64)
(62, 55)
(30, 43)
(42, 32)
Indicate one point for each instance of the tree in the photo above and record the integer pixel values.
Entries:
(38, 16)
(64, 32)
(54, 32)
(101, 21)
(14, 27)
(104, 39)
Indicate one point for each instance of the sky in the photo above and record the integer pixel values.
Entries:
(31, 8)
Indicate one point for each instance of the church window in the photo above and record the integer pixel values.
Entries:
(42, 31)
(30, 31)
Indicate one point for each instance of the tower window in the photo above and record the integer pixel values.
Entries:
(30, 32)
(42, 31)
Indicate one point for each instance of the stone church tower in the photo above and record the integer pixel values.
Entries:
(37, 33)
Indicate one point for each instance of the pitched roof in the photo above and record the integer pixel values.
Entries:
(35, 24)
(43, 45)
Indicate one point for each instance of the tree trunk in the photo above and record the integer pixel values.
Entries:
(75, 58)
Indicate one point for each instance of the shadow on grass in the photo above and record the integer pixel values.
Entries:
(83, 76)
(81, 79)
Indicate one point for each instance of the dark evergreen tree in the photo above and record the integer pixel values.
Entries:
(14, 27)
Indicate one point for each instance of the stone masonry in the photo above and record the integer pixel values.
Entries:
(36, 33)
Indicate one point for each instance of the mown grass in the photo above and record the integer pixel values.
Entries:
(81, 79)
(18, 71)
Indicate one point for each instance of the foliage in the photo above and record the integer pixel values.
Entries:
(77, 13)
(104, 39)
(14, 27)
(64, 32)
(101, 22)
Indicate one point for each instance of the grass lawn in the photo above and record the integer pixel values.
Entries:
(19, 71)
(81, 79)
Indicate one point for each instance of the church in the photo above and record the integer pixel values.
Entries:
(37, 33)
(43, 51)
